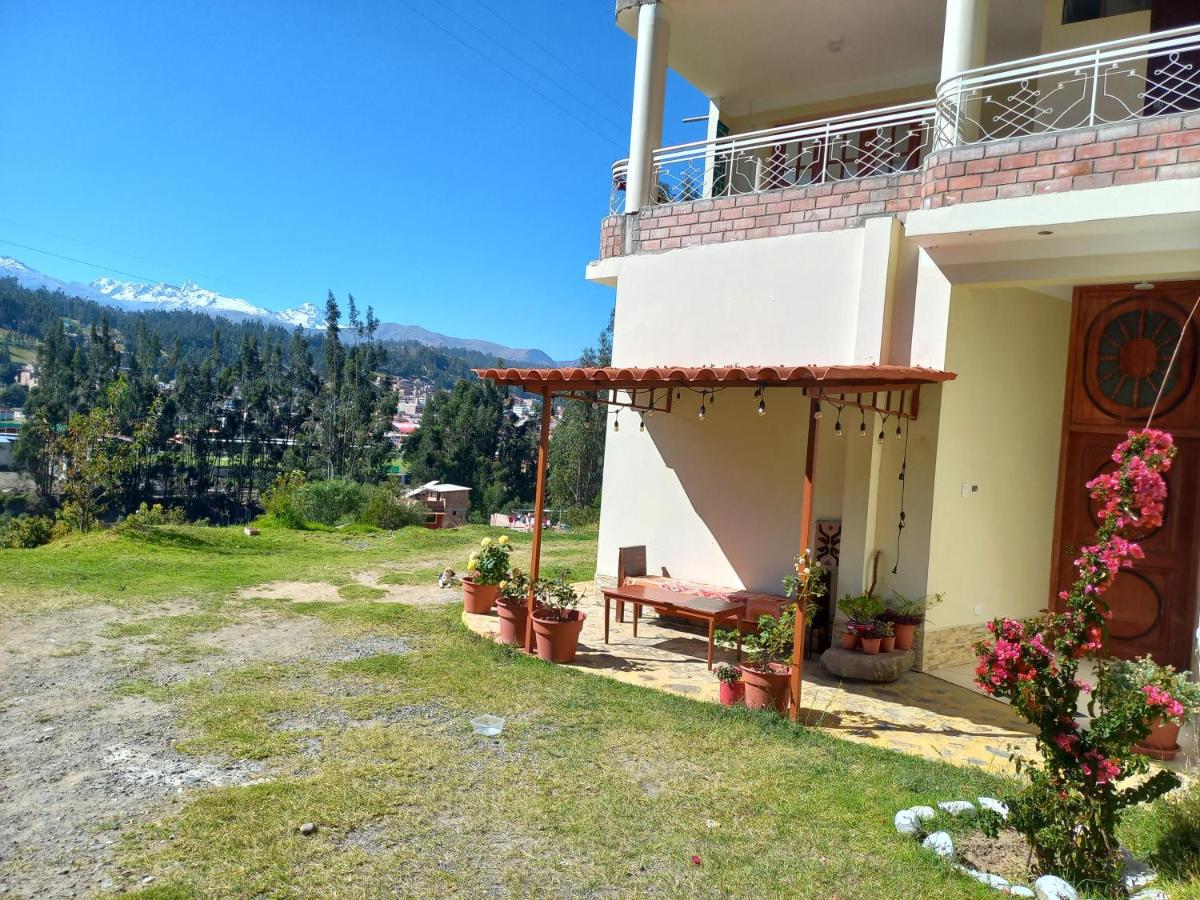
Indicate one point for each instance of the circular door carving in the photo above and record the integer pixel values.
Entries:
(1128, 354)
(1136, 604)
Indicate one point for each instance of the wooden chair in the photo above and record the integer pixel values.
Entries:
(630, 561)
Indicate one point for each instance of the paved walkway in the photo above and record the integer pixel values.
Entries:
(918, 714)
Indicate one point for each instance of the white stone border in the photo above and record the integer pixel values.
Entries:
(1049, 887)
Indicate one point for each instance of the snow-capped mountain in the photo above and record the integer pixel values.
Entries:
(192, 296)
(135, 295)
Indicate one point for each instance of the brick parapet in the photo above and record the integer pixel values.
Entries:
(1158, 149)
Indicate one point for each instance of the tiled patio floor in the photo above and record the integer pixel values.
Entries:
(918, 714)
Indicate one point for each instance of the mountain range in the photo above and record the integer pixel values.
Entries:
(135, 296)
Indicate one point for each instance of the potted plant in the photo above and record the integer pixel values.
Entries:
(887, 635)
(1170, 698)
(849, 638)
(485, 570)
(556, 621)
(767, 671)
(906, 615)
(871, 638)
(806, 582)
(862, 611)
(512, 606)
(732, 689)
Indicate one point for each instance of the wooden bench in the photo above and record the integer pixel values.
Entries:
(710, 610)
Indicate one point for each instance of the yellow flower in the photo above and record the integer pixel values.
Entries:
(473, 562)
(504, 539)
(486, 542)
(503, 585)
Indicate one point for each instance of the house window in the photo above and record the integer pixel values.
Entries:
(1086, 10)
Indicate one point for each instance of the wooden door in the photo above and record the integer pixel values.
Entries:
(1121, 341)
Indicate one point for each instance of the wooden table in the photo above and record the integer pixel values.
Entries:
(675, 603)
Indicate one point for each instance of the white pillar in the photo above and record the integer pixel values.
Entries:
(965, 40)
(649, 94)
(710, 159)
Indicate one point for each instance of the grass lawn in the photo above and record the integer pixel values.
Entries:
(595, 787)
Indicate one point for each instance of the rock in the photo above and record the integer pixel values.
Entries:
(1019, 890)
(907, 823)
(958, 807)
(867, 666)
(992, 881)
(941, 844)
(922, 813)
(1051, 887)
(308, 828)
(1152, 894)
(1135, 874)
(991, 804)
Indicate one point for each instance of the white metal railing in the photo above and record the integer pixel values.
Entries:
(841, 148)
(1131, 78)
(1117, 81)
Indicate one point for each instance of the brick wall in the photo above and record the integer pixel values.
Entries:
(1132, 152)
(1151, 150)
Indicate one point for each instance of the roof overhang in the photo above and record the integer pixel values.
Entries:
(828, 379)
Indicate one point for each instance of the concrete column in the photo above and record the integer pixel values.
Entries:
(649, 93)
(710, 159)
(964, 42)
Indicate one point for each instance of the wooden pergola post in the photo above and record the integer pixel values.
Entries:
(806, 504)
(539, 507)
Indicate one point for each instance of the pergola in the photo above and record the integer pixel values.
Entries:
(891, 390)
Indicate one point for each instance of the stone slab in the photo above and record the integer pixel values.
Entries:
(867, 666)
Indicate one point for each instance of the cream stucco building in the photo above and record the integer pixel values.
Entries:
(1011, 194)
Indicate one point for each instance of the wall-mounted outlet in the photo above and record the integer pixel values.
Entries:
(969, 490)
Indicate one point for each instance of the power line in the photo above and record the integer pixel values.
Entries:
(542, 72)
(506, 70)
(82, 262)
(155, 262)
(600, 89)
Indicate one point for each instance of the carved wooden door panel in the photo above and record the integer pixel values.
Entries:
(1121, 342)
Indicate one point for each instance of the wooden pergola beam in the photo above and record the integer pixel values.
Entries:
(806, 506)
(539, 509)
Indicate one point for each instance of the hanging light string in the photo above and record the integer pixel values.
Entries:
(900, 525)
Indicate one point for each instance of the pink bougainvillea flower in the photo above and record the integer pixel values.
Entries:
(695, 860)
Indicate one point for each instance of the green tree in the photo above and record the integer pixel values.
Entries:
(92, 456)
(576, 463)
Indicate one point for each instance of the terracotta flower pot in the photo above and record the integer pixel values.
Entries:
(905, 632)
(849, 640)
(765, 690)
(513, 619)
(1161, 743)
(732, 694)
(558, 640)
(870, 645)
(887, 644)
(479, 598)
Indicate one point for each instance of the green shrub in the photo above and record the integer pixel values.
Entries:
(385, 509)
(279, 499)
(147, 516)
(330, 502)
(26, 532)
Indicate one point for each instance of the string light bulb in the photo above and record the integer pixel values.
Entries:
(881, 435)
(862, 428)
(816, 409)
(700, 415)
(642, 424)
(837, 425)
(617, 421)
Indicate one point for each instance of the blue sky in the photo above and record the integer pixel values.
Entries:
(274, 150)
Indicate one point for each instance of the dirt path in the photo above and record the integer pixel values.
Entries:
(78, 759)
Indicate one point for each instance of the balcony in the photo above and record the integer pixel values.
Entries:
(1113, 113)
